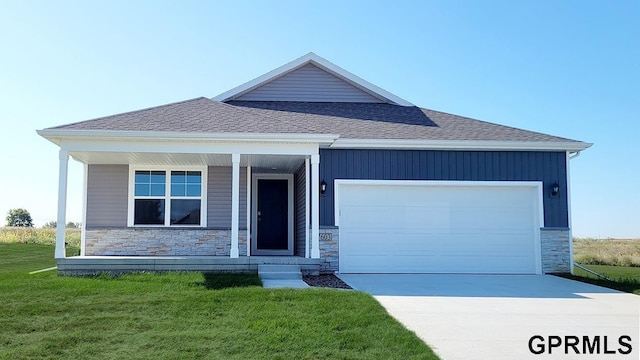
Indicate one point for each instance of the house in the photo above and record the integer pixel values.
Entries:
(312, 165)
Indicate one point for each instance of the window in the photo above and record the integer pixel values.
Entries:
(167, 197)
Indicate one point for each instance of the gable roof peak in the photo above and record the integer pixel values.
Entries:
(322, 64)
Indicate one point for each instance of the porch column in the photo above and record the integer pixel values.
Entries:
(315, 206)
(248, 210)
(235, 204)
(307, 181)
(83, 228)
(63, 155)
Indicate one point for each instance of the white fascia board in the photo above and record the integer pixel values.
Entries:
(58, 136)
(323, 64)
(458, 145)
(173, 147)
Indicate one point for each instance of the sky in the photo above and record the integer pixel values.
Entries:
(568, 68)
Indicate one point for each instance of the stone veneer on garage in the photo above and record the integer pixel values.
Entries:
(556, 250)
(329, 248)
(162, 242)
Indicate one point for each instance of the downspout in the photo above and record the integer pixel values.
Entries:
(570, 223)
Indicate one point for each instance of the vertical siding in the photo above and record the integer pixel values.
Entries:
(309, 83)
(219, 197)
(107, 202)
(548, 167)
(300, 215)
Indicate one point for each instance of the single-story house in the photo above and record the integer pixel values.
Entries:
(309, 164)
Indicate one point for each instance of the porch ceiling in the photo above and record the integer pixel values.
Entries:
(280, 163)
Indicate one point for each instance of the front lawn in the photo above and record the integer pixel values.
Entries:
(623, 278)
(613, 272)
(184, 316)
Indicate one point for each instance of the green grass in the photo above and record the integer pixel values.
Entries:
(623, 278)
(614, 272)
(184, 316)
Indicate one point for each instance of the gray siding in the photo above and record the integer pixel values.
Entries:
(107, 203)
(300, 215)
(548, 167)
(309, 83)
(219, 197)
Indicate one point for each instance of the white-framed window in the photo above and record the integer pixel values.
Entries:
(167, 196)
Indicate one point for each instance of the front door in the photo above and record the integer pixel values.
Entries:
(273, 218)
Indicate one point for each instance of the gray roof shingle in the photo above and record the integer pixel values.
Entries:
(349, 120)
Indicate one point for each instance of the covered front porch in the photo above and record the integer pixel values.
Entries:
(244, 203)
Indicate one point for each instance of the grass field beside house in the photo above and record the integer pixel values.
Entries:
(617, 259)
(43, 236)
(615, 252)
(184, 316)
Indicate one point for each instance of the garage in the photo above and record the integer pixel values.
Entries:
(395, 226)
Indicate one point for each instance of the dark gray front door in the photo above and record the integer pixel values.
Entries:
(272, 217)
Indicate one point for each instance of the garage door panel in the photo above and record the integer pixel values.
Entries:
(408, 217)
(472, 229)
(433, 243)
(437, 264)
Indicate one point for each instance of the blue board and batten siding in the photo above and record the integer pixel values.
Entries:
(548, 167)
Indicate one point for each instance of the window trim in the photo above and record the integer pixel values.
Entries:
(167, 197)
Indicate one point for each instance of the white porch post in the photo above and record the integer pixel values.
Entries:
(315, 206)
(307, 180)
(248, 210)
(83, 228)
(62, 203)
(235, 204)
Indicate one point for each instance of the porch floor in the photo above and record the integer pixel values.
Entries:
(88, 265)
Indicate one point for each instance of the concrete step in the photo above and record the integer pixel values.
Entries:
(275, 284)
(278, 268)
(279, 272)
(280, 275)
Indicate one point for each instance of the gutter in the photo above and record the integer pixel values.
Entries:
(58, 136)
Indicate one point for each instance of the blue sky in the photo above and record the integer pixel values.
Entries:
(567, 68)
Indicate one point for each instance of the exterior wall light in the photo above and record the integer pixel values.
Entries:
(323, 186)
(555, 189)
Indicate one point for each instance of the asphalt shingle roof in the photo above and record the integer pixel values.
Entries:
(349, 120)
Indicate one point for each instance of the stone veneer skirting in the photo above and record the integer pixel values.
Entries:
(556, 250)
(162, 242)
(555, 247)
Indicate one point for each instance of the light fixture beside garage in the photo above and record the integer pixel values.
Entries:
(323, 186)
(555, 189)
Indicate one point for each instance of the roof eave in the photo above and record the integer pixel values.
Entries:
(485, 145)
(58, 136)
(320, 62)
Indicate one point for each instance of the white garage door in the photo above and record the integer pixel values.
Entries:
(439, 227)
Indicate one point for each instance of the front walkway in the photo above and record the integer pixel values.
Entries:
(479, 317)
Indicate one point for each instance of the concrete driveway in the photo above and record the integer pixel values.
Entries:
(495, 316)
